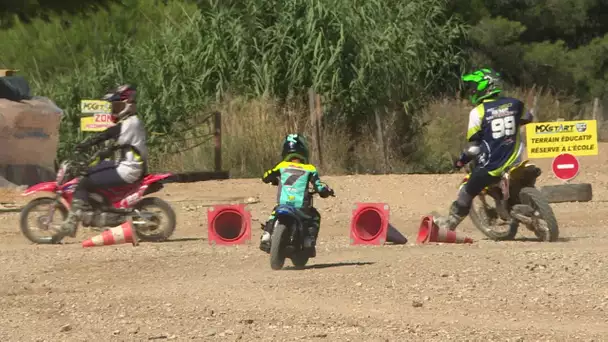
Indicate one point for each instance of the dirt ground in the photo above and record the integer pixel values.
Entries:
(184, 289)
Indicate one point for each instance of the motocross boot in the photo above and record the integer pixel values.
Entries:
(265, 238)
(310, 240)
(455, 217)
(68, 228)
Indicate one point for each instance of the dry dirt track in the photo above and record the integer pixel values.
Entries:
(186, 290)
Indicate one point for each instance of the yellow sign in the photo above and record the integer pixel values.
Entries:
(549, 139)
(95, 106)
(96, 123)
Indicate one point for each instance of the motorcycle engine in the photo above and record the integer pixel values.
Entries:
(101, 219)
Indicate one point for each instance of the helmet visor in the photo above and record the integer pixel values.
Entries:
(469, 88)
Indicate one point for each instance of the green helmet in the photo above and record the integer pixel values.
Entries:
(295, 146)
(482, 84)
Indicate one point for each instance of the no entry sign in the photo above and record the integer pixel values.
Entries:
(565, 166)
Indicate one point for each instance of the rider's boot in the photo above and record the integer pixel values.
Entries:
(265, 238)
(455, 217)
(310, 240)
(68, 228)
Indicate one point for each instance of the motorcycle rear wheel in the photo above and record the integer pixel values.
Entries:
(27, 211)
(300, 260)
(277, 257)
(534, 198)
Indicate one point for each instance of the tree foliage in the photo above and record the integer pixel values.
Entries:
(27, 10)
(559, 44)
(364, 57)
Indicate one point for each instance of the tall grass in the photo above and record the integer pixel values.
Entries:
(362, 56)
(74, 58)
(254, 129)
(254, 60)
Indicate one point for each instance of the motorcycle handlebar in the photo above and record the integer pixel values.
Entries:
(311, 191)
(314, 191)
(81, 161)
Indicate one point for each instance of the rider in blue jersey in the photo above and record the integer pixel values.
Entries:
(494, 129)
(292, 175)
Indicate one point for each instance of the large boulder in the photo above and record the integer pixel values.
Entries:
(29, 135)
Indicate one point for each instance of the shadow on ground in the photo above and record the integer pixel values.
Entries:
(533, 239)
(185, 239)
(330, 265)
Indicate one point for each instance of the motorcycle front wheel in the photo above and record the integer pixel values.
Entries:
(277, 257)
(487, 220)
(44, 221)
(157, 222)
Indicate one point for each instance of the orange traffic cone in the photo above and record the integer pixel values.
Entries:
(121, 234)
(430, 232)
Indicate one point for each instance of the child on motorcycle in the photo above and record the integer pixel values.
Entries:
(129, 135)
(292, 175)
(494, 133)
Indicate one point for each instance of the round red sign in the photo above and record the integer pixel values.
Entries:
(565, 166)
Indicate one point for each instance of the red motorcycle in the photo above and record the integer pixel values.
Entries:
(111, 206)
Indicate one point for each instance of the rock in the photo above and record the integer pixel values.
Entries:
(251, 200)
(158, 337)
(65, 328)
(416, 304)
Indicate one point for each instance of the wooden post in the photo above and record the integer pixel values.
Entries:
(380, 139)
(317, 128)
(312, 108)
(597, 114)
(217, 135)
(535, 106)
(596, 104)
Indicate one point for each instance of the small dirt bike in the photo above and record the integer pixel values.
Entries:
(517, 200)
(111, 206)
(288, 234)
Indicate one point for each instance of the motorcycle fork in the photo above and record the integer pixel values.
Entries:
(144, 218)
(501, 205)
(522, 213)
(51, 212)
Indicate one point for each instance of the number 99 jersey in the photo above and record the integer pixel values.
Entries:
(495, 125)
(293, 182)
